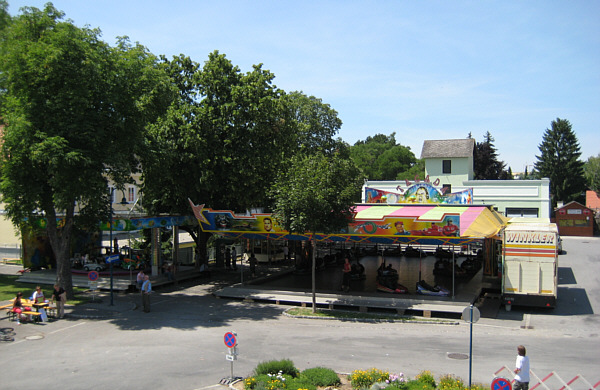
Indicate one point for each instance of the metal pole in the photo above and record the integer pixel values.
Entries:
(471, 344)
(112, 191)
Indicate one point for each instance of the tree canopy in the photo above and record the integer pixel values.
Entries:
(559, 161)
(591, 171)
(382, 158)
(74, 111)
(316, 194)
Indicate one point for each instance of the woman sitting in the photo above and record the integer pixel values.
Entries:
(18, 308)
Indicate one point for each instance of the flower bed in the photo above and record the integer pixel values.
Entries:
(283, 375)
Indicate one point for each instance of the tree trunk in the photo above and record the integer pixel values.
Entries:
(60, 239)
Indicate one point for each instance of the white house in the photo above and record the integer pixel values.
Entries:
(449, 167)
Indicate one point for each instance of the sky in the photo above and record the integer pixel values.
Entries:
(424, 70)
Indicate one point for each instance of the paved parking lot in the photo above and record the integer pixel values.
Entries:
(180, 343)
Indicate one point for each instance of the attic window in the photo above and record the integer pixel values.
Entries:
(446, 166)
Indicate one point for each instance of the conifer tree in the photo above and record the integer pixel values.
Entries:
(486, 165)
(559, 161)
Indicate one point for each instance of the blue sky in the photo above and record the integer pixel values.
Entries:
(423, 69)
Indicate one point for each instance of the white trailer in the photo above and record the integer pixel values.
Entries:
(530, 264)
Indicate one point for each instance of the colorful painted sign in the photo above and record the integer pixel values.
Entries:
(419, 193)
(381, 223)
(129, 224)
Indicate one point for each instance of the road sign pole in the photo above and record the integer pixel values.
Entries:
(471, 345)
(111, 284)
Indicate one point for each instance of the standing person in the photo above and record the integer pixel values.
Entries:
(346, 275)
(252, 262)
(522, 370)
(227, 258)
(139, 280)
(286, 252)
(146, 290)
(59, 296)
(234, 257)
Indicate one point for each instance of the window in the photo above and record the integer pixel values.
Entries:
(131, 194)
(446, 189)
(522, 212)
(446, 166)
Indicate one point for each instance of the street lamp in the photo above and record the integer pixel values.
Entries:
(110, 243)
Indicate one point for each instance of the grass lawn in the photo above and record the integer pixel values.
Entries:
(9, 287)
(353, 315)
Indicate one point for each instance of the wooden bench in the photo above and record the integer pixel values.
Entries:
(10, 314)
(36, 316)
(12, 260)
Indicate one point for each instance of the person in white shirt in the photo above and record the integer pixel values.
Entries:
(522, 370)
(146, 290)
(38, 295)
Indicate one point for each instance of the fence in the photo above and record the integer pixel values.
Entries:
(551, 381)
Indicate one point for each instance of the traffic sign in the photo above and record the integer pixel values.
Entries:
(466, 314)
(230, 340)
(112, 258)
(501, 384)
(93, 276)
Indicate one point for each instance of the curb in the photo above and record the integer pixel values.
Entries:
(372, 320)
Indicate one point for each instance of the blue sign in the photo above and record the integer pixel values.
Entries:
(230, 340)
(112, 258)
(501, 384)
(93, 276)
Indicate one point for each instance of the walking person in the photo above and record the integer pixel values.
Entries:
(146, 290)
(522, 369)
(59, 296)
(346, 275)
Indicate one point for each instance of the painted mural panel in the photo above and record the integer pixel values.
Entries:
(418, 193)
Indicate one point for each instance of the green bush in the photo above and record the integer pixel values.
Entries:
(450, 382)
(299, 384)
(320, 376)
(426, 378)
(284, 366)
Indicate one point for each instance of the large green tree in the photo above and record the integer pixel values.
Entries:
(382, 158)
(316, 194)
(221, 141)
(75, 110)
(225, 138)
(486, 165)
(559, 161)
(591, 171)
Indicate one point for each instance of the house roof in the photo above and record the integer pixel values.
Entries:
(448, 148)
(592, 200)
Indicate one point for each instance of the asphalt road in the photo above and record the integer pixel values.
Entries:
(179, 345)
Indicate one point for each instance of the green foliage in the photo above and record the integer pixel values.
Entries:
(315, 123)
(559, 161)
(381, 158)
(450, 382)
(316, 194)
(320, 376)
(426, 377)
(75, 110)
(591, 171)
(284, 366)
(486, 165)
(364, 379)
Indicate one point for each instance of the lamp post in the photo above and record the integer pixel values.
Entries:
(110, 245)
